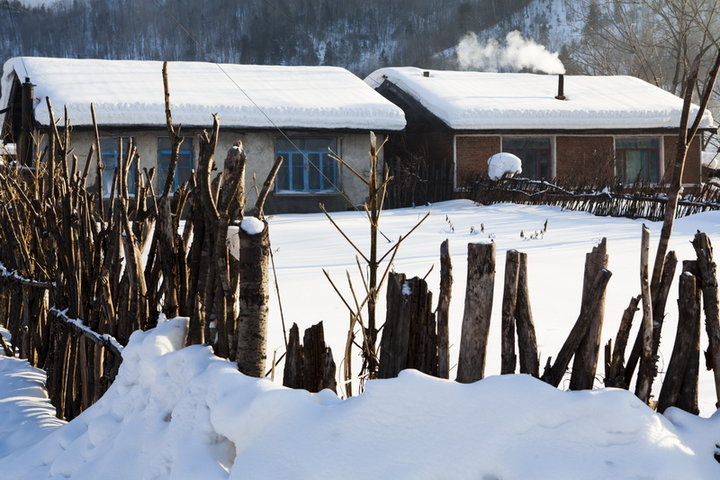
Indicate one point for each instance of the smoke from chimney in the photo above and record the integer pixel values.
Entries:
(517, 54)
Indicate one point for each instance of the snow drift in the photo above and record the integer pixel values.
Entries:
(182, 413)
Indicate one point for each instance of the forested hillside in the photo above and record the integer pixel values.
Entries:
(361, 36)
(656, 40)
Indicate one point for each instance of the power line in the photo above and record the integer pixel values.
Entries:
(262, 111)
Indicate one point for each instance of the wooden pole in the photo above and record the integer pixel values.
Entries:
(615, 375)
(527, 340)
(507, 354)
(711, 307)
(586, 357)
(443, 311)
(688, 323)
(646, 374)
(478, 307)
(293, 372)
(554, 372)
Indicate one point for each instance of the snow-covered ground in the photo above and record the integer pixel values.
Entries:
(304, 244)
(184, 414)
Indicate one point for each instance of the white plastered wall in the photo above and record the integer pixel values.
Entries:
(260, 149)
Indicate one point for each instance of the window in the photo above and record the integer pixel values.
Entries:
(638, 159)
(307, 166)
(112, 149)
(185, 164)
(535, 153)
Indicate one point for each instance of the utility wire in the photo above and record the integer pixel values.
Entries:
(262, 111)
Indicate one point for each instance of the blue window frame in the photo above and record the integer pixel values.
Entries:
(637, 159)
(185, 165)
(308, 166)
(112, 149)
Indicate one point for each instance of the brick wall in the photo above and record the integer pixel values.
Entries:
(587, 159)
(692, 172)
(472, 154)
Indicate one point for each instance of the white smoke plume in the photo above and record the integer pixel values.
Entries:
(517, 54)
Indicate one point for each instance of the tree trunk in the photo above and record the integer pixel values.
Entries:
(254, 297)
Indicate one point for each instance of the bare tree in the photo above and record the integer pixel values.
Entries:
(657, 40)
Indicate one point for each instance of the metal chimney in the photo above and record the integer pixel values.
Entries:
(561, 87)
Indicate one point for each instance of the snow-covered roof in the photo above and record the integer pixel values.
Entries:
(130, 92)
(523, 101)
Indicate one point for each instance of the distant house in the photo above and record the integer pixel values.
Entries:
(615, 129)
(298, 112)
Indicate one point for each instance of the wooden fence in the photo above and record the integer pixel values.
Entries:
(414, 336)
(79, 272)
(636, 201)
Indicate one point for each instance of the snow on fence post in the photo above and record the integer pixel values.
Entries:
(586, 357)
(253, 295)
(478, 307)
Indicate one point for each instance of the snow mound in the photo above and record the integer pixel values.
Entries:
(182, 413)
(26, 414)
(503, 164)
(252, 225)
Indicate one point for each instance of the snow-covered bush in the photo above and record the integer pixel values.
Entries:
(503, 165)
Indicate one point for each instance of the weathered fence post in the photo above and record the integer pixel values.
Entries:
(527, 340)
(554, 372)
(507, 354)
(409, 337)
(688, 334)
(443, 312)
(707, 269)
(310, 365)
(478, 307)
(615, 357)
(586, 357)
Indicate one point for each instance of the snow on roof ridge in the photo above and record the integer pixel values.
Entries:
(130, 92)
(491, 100)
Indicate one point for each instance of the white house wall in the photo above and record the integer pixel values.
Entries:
(260, 150)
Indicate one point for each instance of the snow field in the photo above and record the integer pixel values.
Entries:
(181, 413)
(304, 244)
(177, 413)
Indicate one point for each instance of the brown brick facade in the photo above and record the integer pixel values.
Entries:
(472, 154)
(692, 171)
(584, 160)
